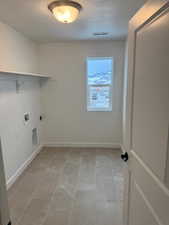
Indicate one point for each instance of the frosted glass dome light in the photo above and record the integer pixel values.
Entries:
(65, 11)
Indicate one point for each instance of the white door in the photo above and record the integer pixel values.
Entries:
(148, 115)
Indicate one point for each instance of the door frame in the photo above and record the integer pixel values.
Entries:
(151, 10)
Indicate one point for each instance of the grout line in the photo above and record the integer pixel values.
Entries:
(76, 188)
(54, 192)
(60, 176)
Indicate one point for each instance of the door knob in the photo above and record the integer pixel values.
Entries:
(125, 157)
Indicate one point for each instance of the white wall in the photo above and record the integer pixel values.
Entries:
(64, 99)
(19, 54)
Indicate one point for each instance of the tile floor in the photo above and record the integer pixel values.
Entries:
(67, 186)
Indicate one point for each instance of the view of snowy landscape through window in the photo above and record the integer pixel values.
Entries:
(99, 82)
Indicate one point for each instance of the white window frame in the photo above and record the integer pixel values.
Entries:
(93, 109)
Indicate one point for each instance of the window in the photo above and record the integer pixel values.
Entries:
(99, 84)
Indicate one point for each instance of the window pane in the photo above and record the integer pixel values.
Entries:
(99, 81)
(99, 97)
(99, 71)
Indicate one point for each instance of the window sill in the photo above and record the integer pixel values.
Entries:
(98, 110)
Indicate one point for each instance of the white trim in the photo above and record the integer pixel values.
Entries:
(22, 168)
(149, 206)
(82, 145)
(89, 109)
(150, 173)
(122, 148)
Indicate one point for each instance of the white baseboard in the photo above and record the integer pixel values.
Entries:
(82, 145)
(17, 174)
(21, 169)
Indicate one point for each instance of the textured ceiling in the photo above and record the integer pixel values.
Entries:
(33, 18)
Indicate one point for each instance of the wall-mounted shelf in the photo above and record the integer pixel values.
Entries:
(25, 74)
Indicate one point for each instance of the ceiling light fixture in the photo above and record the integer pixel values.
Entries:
(65, 11)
